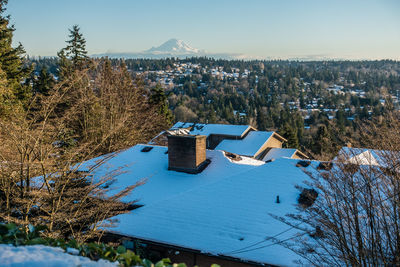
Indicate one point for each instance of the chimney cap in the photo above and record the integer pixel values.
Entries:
(186, 136)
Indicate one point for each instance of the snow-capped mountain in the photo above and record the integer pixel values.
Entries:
(173, 48)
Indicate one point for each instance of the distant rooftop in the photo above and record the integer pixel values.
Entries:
(289, 153)
(366, 156)
(208, 129)
(276, 153)
(249, 146)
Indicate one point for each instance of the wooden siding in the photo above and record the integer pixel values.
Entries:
(190, 257)
(299, 155)
(272, 142)
(187, 152)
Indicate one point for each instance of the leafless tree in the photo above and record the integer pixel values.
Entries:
(355, 219)
(42, 179)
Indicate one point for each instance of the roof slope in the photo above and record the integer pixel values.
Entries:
(276, 153)
(208, 129)
(224, 217)
(160, 183)
(366, 156)
(220, 211)
(248, 146)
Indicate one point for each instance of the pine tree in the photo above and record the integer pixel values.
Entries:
(290, 134)
(74, 56)
(158, 98)
(11, 61)
(322, 141)
(5, 95)
(261, 120)
(44, 82)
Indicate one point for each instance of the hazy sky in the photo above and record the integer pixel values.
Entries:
(354, 29)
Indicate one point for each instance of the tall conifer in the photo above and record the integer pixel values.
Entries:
(11, 61)
(74, 56)
(44, 82)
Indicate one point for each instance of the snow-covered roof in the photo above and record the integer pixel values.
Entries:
(208, 129)
(248, 146)
(221, 210)
(276, 153)
(152, 167)
(365, 156)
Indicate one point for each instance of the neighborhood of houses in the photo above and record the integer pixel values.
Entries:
(170, 79)
(210, 191)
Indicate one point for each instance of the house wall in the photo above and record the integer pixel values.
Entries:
(156, 251)
(272, 142)
(213, 140)
(201, 260)
(298, 155)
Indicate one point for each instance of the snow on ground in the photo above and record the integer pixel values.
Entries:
(248, 146)
(43, 256)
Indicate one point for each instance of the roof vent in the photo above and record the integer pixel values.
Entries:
(146, 149)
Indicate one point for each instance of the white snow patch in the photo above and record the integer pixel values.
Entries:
(248, 146)
(40, 256)
(276, 153)
(247, 161)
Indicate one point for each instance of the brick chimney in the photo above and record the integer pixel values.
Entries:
(187, 153)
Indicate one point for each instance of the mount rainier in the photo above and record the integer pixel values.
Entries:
(172, 48)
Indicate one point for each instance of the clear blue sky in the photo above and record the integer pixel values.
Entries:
(354, 29)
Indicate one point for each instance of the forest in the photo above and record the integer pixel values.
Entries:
(315, 105)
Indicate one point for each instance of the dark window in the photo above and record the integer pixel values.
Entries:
(303, 163)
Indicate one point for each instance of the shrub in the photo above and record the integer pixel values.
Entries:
(307, 197)
(31, 235)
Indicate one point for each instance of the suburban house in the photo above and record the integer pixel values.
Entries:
(365, 156)
(210, 195)
(243, 140)
(291, 153)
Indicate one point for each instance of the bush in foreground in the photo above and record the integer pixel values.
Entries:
(31, 235)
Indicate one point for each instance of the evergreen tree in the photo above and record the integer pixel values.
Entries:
(5, 95)
(158, 98)
(261, 120)
(341, 119)
(212, 116)
(11, 61)
(74, 55)
(44, 82)
(322, 142)
(290, 134)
